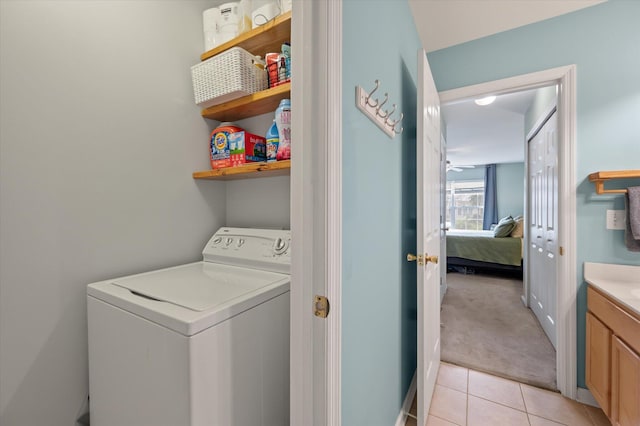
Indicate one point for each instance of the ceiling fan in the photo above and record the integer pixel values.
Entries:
(451, 167)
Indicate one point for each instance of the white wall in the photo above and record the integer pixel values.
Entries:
(263, 202)
(98, 138)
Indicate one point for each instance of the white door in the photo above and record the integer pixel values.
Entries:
(543, 181)
(428, 234)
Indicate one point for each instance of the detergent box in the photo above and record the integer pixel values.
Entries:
(245, 147)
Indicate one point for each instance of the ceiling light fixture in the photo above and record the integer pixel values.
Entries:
(485, 101)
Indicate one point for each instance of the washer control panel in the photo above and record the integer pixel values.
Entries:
(267, 249)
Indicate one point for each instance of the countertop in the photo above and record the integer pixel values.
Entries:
(620, 282)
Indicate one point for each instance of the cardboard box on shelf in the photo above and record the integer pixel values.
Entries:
(245, 147)
(232, 146)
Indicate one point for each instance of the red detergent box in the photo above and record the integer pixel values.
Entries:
(245, 147)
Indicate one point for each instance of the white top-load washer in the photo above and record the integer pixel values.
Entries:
(206, 343)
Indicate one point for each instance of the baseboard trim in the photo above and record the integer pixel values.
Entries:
(406, 405)
(584, 396)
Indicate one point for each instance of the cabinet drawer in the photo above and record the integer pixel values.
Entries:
(623, 324)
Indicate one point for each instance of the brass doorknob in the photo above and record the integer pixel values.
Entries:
(413, 257)
(432, 259)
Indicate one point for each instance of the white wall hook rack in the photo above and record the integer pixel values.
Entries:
(372, 108)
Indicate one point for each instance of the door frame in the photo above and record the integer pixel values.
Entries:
(316, 212)
(443, 215)
(565, 77)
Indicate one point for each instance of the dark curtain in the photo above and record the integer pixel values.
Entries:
(490, 197)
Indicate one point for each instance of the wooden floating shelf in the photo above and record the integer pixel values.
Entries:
(599, 178)
(247, 171)
(264, 39)
(250, 105)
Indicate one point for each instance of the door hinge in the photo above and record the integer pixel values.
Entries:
(320, 306)
(561, 251)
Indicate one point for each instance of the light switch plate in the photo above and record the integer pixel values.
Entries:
(616, 219)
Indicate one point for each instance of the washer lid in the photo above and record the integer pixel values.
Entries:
(199, 287)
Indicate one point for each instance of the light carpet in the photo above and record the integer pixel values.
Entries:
(486, 327)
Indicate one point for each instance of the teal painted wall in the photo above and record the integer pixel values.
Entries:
(378, 287)
(510, 183)
(603, 41)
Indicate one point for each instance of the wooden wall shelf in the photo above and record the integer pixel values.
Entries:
(247, 171)
(250, 105)
(599, 178)
(261, 40)
(264, 39)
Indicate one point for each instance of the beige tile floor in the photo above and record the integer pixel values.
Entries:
(465, 397)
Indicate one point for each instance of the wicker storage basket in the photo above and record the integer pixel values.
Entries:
(229, 75)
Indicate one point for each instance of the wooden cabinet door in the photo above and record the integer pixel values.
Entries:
(625, 385)
(598, 365)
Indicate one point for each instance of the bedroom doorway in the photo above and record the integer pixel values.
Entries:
(563, 77)
(485, 324)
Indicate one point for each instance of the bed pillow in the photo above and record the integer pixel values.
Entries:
(518, 230)
(504, 228)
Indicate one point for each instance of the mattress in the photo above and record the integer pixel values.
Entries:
(482, 246)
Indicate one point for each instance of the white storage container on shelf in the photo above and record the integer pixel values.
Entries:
(227, 76)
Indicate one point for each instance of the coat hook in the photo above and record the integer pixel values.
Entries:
(386, 98)
(370, 94)
(388, 115)
(393, 123)
(372, 107)
(396, 122)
